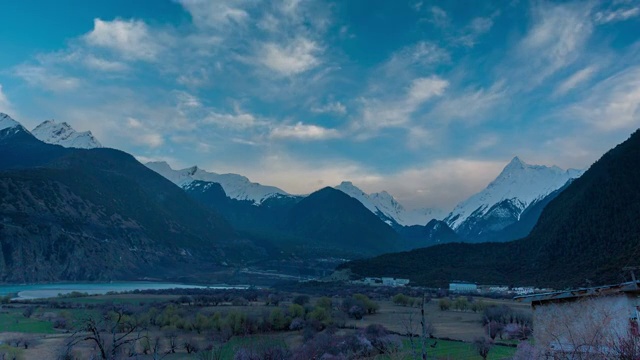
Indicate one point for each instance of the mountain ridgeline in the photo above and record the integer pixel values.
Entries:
(72, 210)
(75, 214)
(325, 223)
(585, 235)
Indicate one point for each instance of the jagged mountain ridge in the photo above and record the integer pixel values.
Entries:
(585, 235)
(235, 186)
(98, 214)
(502, 202)
(63, 134)
(388, 208)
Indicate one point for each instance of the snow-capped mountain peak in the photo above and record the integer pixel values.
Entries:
(7, 122)
(387, 207)
(63, 134)
(519, 182)
(235, 186)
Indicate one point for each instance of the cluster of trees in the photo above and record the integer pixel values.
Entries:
(462, 303)
(124, 329)
(502, 321)
(404, 300)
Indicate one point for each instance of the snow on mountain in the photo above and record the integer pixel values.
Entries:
(7, 122)
(235, 186)
(518, 182)
(385, 206)
(63, 134)
(8, 126)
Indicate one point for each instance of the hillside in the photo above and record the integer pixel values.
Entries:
(331, 218)
(586, 235)
(75, 214)
(325, 223)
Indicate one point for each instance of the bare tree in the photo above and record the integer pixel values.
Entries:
(109, 334)
(592, 328)
(482, 345)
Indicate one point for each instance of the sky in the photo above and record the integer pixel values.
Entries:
(427, 100)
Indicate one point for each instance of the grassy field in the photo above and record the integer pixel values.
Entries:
(457, 325)
(120, 299)
(455, 350)
(47, 342)
(13, 321)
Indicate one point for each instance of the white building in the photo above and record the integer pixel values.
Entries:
(462, 286)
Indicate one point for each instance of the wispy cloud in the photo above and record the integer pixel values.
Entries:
(301, 131)
(40, 77)
(614, 15)
(418, 57)
(470, 105)
(479, 26)
(554, 41)
(613, 104)
(335, 107)
(216, 14)
(377, 114)
(292, 58)
(578, 78)
(132, 39)
(5, 105)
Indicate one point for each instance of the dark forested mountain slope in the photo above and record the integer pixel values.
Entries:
(75, 214)
(331, 218)
(587, 234)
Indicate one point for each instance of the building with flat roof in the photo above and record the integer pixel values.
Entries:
(598, 322)
(462, 286)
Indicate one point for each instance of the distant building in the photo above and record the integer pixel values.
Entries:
(388, 281)
(597, 322)
(385, 281)
(524, 290)
(462, 286)
(498, 289)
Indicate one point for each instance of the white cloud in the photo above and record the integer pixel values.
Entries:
(216, 14)
(335, 107)
(378, 114)
(302, 131)
(414, 57)
(576, 79)
(238, 121)
(439, 17)
(298, 56)
(556, 39)
(477, 27)
(38, 76)
(97, 63)
(423, 89)
(470, 105)
(130, 38)
(613, 104)
(5, 105)
(152, 140)
(603, 17)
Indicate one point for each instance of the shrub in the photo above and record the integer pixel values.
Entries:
(239, 301)
(301, 300)
(325, 302)
(401, 299)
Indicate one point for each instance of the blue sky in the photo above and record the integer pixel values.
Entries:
(427, 100)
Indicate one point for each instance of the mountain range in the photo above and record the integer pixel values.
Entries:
(63, 134)
(493, 214)
(89, 214)
(65, 199)
(585, 235)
